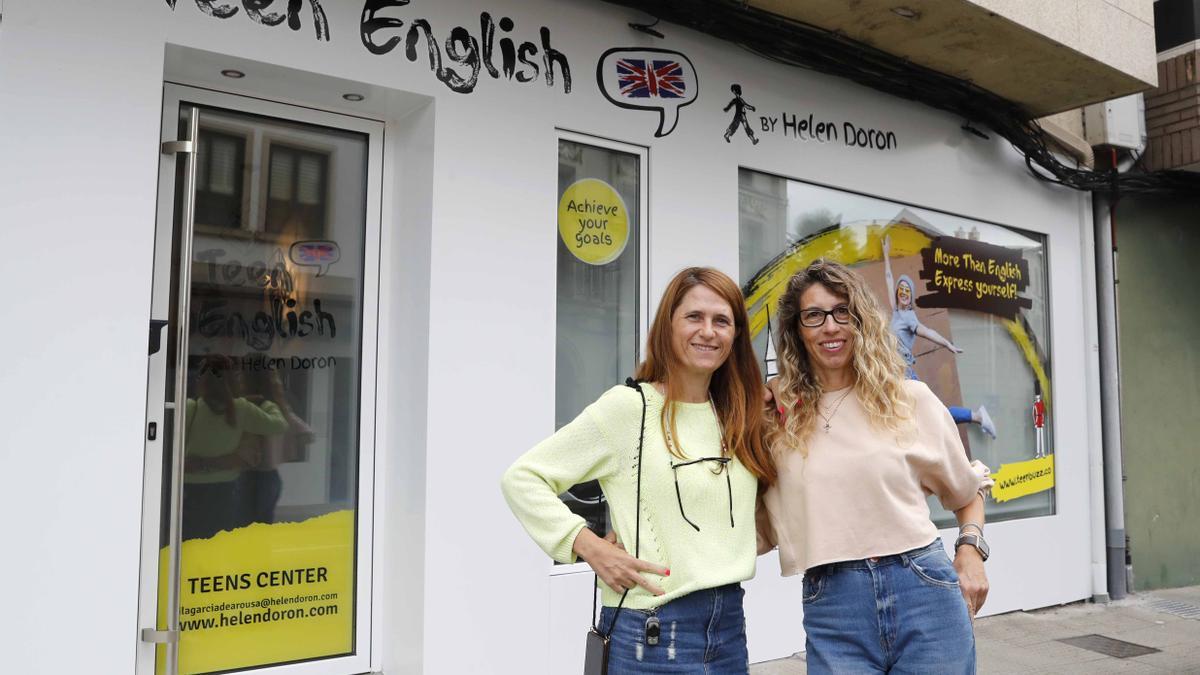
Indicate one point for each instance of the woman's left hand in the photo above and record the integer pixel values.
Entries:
(771, 391)
(972, 579)
(986, 482)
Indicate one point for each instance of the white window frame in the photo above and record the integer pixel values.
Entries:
(643, 240)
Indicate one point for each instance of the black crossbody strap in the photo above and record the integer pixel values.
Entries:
(637, 527)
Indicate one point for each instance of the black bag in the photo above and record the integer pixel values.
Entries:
(595, 661)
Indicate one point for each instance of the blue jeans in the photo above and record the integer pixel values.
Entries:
(703, 632)
(258, 493)
(900, 613)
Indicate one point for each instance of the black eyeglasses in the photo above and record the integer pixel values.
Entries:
(722, 465)
(815, 318)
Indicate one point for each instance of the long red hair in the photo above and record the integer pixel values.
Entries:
(736, 387)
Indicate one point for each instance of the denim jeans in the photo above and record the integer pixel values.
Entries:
(900, 613)
(208, 508)
(703, 632)
(258, 493)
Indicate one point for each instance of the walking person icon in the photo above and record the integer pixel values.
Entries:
(740, 106)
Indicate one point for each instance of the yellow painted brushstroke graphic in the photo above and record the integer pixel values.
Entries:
(265, 593)
(847, 245)
(1020, 479)
(1025, 344)
(852, 246)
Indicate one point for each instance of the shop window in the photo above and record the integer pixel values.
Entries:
(220, 179)
(297, 185)
(599, 292)
(998, 386)
(256, 186)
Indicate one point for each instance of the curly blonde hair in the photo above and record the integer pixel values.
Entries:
(878, 367)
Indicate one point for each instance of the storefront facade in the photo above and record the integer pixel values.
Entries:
(431, 278)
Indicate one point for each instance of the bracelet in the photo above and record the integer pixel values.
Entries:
(977, 526)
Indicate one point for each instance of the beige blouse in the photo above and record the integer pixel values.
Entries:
(861, 492)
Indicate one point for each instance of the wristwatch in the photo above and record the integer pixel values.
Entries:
(971, 539)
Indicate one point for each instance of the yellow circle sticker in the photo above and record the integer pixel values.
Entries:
(593, 221)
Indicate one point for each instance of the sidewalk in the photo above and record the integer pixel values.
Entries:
(1032, 642)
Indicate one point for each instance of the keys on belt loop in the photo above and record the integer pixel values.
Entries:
(653, 630)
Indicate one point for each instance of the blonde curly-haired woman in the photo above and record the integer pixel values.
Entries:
(858, 446)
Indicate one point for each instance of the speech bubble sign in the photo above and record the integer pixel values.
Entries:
(644, 78)
(319, 253)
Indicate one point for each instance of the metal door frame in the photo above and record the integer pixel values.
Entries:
(176, 97)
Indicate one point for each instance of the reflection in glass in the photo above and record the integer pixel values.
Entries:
(220, 181)
(296, 191)
(271, 436)
(259, 484)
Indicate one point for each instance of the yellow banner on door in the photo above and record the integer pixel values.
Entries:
(1020, 479)
(264, 594)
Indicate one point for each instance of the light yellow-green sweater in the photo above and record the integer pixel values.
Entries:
(601, 444)
(210, 436)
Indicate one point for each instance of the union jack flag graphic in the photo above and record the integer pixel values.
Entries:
(316, 253)
(662, 79)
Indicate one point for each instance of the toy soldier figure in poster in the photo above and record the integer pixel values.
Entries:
(1039, 424)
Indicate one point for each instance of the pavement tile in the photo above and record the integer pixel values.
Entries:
(1000, 632)
(994, 659)
(1050, 656)
(1163, 636)
(1190, 594)
(1025, 643)
(1109, 665)
(1033, 631)
(790, 666)
(1106, 664)
(1172, 661)
(1030, 638)
(1151, 615)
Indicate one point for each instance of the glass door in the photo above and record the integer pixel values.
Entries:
(260, 406)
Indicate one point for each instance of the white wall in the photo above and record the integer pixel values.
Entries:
(82, 90)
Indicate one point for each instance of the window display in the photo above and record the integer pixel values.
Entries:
(598, 291)
(968, 303)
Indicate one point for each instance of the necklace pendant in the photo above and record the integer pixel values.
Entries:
(827, 427)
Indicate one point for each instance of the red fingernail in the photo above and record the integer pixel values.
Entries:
(667, 573)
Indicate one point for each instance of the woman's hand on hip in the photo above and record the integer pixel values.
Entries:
(619, 570)
(972, 578)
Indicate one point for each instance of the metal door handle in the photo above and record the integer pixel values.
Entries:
(160, 637)
(174, 147)
(156, 326)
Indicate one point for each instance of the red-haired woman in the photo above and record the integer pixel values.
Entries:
(677, 607)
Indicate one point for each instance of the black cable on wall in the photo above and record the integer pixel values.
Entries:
(803, 45)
